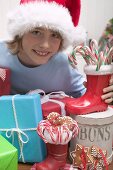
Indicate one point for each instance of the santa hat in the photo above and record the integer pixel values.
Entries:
(58, 15)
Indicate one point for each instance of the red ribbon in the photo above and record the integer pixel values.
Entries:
(104, 158)
(83, 158)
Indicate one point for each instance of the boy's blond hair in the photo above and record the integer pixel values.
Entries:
(14, 45)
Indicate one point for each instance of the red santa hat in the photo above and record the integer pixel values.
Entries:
(58, 15)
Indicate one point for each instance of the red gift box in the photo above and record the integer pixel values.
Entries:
(52, 102)
(55, 102)
(5, 85)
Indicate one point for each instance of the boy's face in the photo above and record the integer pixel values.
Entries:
(38, 46)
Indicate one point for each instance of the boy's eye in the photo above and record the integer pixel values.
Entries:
(56, 35)
(36, 32)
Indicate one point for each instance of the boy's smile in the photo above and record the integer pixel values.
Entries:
(41, 53)
(38, 46)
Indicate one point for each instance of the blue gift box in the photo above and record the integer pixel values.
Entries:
(19, 117)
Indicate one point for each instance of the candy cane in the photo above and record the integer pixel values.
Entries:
(92, 56)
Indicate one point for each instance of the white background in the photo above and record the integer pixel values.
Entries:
(95, 15)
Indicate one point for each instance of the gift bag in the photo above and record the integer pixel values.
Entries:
(8, 155)
(19, 117)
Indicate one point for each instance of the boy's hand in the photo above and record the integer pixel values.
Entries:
(108, 92)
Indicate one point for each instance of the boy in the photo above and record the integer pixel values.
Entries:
(40, 30)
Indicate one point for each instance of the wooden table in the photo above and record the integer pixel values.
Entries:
(27, 167)
(24, 167)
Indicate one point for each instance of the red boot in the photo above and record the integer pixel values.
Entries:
(56, 131)
(91, 101)
(56, 159)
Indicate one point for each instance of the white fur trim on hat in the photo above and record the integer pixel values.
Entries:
(42, 14)
(80, 35)
(104, 70)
